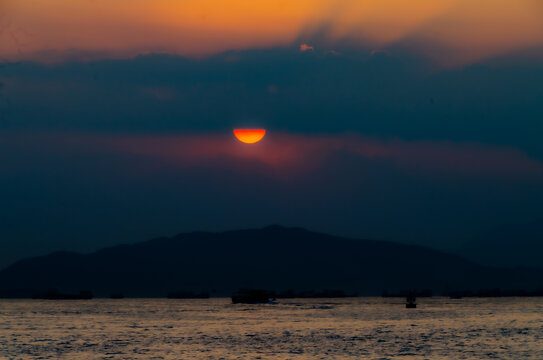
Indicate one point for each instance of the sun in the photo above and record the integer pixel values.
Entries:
(249, 136)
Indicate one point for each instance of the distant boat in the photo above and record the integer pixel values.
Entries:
(410, 301)
(251, 297)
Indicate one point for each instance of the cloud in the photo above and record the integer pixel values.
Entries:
(384, 96)
(452, 32)
(159, 93)
(303, 153)
(305, 47)
(300, 154)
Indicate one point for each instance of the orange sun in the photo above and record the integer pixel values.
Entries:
(249, 136)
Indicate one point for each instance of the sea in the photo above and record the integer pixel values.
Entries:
(347, 328)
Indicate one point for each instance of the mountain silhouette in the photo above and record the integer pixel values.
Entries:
(274, 258)
(508, 245)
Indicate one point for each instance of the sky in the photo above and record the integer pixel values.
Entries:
(405, 121)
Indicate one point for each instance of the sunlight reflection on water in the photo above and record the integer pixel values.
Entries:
(373, 328)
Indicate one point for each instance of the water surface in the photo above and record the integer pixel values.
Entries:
(359, 328)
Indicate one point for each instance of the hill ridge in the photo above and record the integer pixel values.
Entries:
(273, 257)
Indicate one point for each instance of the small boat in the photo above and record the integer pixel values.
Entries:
(251, 297)
(411, 301)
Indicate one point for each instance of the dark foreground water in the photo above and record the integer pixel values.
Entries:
(362, 328)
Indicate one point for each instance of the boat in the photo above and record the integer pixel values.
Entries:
(410, 301)
(251, 297)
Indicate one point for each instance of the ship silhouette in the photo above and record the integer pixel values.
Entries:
(252, 296)
(411, 301)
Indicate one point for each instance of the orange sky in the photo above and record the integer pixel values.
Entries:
(454, 31)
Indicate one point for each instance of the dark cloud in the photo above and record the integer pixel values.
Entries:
(381, 95)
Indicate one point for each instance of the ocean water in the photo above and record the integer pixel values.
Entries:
(358, 328)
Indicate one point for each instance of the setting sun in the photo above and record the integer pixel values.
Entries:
(249, 136)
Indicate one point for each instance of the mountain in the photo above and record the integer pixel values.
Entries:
(509, 245)
(273, 258)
